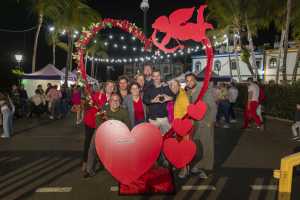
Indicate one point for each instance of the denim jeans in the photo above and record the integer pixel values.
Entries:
(7, 122)
(223, 110)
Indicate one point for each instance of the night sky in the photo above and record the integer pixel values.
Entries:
(19, 17)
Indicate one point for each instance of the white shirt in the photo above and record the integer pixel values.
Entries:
(255, 91)
(233, 94)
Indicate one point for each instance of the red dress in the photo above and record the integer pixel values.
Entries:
(139, 114)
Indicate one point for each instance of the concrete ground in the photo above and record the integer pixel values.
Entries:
(42, 162)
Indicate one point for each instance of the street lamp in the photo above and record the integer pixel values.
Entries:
(145, 7)
(51, 28)
(19, 58)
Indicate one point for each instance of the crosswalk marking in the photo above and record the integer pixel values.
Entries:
(33, 176)
(263, 187)
(219, 186)
(255, 193)
(54, 189)
(29, 172)
(22, 169)
(114, 188)
(41, 178)
(198, 187)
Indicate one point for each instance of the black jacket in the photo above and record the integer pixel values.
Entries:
(156, 110)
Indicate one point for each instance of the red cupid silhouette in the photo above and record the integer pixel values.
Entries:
(178, 28)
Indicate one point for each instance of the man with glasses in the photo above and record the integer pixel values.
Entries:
(113, 111)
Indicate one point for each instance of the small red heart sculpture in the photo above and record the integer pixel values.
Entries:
(182, 126)
(197, 111)
(179, 153)
(127, 155)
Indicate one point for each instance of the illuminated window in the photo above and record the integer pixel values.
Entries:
(273, 63)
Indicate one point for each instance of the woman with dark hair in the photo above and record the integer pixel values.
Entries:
(7, 110)
(134, 104)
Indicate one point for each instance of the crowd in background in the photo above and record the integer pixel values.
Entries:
(145, 98)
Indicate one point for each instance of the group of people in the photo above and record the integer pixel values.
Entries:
(53, 101)
(147, 98)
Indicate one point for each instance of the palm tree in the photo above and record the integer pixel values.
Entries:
(256, 18)
(96, 49)
(228, 18)
(53, 40)
(74, 14)
(42, 8)
(296, 35)
(242, 15)
(286, 40)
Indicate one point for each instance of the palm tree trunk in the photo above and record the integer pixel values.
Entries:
(295, 71)
(286, 40)
(69, 56)
(96, 73)
(251, 46)
(36, 39)
(93, 66)
(53, 50)
(237, 61)
(280, 54)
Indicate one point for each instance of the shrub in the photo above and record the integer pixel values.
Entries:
(281, 99)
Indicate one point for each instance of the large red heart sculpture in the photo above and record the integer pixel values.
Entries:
(197, 111)
(127, 155)
(182, 126)
(179, 153)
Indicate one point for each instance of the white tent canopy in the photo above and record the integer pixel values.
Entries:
(48, 74)
(72, 76)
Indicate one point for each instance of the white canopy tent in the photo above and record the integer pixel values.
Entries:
(48, 74)
(72, 77)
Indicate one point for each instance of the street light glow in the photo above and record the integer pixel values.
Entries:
(52, 28)
(19, 57)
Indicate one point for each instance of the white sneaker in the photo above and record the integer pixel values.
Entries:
(183, 173)
(233, 121)
(203, 175)
(3, 136)
(295, 138)
(226, 126)
(196, 170)
(51, 117)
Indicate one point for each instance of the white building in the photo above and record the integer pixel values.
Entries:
(266, 63)
(168, 69)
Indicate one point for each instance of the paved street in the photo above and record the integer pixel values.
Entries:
(42, 162)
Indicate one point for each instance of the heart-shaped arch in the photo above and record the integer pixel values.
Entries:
(88, 35)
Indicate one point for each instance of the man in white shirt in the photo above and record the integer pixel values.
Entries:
(233, 94)
(252, 104)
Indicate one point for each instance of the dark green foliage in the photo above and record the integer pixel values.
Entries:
(281, 99)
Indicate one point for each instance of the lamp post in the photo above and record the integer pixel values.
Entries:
(145, 7)
(19, 58)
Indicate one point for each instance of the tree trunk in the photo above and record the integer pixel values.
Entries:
(69, 56)
(295, 71)
(280, 54)
(36, 39)
(251, 46)
(53, 50)
(96, 73)
(286, 41)
(93, 67)
(243, 48)
(237, 61)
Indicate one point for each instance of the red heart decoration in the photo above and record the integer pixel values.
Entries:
(182, 126)
(197, 111)
(127, 155)
(179, 153)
